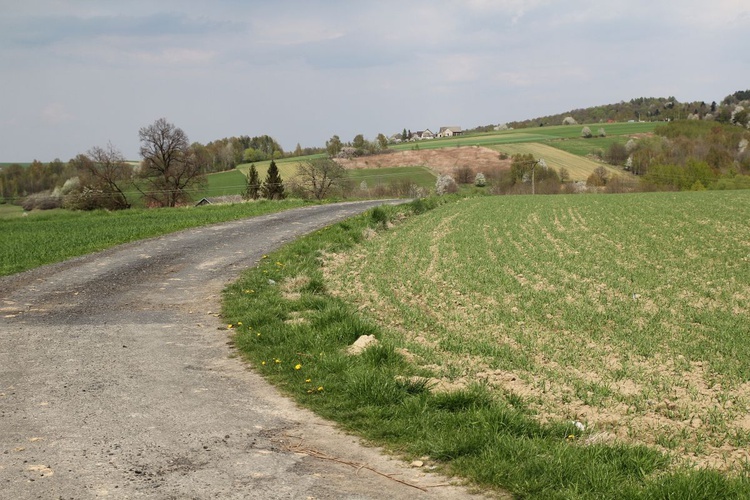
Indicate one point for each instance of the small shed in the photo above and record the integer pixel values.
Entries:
(220, 200)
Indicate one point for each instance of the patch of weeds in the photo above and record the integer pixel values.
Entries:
(461, 400)
(515, 400)
(418, 206)
(380, 356)
(414, 385)
(378, 216)
(316, 285)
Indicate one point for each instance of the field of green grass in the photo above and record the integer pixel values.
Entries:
(10, 211)
(556, 347)
(224, 183)
(629, 313)
(55, 235)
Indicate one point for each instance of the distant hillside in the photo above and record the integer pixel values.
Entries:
(651, 109)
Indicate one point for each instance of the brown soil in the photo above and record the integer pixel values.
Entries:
(441, 161)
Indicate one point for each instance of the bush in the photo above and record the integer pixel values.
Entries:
(586, 133)
(378, 216)
(617, 154)
(463, 175)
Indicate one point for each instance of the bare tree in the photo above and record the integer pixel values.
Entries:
(107, 173)
(317, 176)
(169, 165)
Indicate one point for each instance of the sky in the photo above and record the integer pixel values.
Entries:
(82, 73)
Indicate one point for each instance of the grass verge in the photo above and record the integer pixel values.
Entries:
(55, 235)
(295, 332)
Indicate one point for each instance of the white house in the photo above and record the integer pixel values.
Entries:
(449, 131)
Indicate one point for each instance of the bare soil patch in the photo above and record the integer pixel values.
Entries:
(441, 161)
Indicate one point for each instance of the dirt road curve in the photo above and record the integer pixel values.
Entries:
(115, 381)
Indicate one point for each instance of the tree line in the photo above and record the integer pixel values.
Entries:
(169, 169)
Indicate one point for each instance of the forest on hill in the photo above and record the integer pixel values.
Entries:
(653, 109)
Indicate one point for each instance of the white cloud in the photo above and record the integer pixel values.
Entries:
(295, 32)
(173, 57)
(303, 70)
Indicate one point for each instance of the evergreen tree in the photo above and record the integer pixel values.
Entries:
(273, 186)
(252, 188)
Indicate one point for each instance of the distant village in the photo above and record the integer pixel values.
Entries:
(426, 134)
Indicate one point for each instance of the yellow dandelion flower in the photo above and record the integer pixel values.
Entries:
(297, 366)
(229, 326)
(263, 363)
(320, 388)
(307, 380)
(277, 360)
(239, 323)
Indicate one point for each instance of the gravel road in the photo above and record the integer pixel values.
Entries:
(116, 381)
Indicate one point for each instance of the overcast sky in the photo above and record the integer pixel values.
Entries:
(77, 74)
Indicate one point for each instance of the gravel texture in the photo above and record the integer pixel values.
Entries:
(117, 381)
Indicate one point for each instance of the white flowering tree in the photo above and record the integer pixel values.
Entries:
(445, 184)
(480, 180)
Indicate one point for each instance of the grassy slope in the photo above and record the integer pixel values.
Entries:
(287, 167)
(585, 147)
(579, 167)
(484, 293)
(53, 236)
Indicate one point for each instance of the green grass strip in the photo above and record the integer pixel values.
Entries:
(295, 333)
(57, 235)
